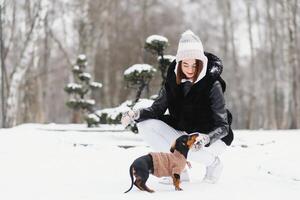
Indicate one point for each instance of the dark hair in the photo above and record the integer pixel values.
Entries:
(180, 75)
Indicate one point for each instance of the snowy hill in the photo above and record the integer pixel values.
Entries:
(71, 162)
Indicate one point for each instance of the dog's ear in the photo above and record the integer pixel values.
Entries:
(194, 135)
(172, 149)
(192, 139)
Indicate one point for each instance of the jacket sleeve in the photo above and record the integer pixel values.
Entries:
(157, 109)
(219, 113)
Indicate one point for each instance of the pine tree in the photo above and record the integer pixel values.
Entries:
(80, 91)
(138, 77)
(156, 45)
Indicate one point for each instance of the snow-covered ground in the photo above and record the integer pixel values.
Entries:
(71, 162)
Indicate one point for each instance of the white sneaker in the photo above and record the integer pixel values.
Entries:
(213, 172)
(184, 177)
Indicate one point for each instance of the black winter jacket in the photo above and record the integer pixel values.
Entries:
(201, 109)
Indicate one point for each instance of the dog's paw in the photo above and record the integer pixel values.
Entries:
(178, 189)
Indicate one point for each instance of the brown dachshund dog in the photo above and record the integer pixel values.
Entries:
(162, 164)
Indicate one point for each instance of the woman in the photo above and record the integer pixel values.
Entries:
(193, 95)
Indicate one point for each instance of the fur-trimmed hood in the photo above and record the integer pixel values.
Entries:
(214, 68)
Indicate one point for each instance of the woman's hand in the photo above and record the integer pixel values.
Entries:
(129, 117)
(202, 140)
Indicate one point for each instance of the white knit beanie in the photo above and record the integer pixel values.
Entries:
(190, 46)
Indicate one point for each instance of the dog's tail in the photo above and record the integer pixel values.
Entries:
(131, 176)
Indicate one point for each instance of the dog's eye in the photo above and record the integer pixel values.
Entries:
(183, 143)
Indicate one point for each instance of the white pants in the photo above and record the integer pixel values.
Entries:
(160, 136)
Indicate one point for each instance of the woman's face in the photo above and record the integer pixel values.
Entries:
(189, 67)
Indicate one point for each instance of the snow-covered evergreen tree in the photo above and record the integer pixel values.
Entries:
(156, 45)
(80, 91)
(138, 76)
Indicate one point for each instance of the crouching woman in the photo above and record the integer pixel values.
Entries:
(193, 95)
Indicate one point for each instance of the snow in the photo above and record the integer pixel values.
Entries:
(89, 101)
(82, 57)
(159, 38)
(112, 113)
(154, 96)
(74, 86)
(139, 68)
(94, 117)
(143, 103)
(85, 74)
(73, 100)
(76, 68)
(56, 161)
(96, 84)
(167, 57)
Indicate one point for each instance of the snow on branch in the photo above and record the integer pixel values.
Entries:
(139, 68)
(157, 38)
